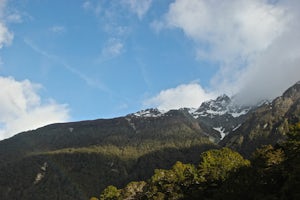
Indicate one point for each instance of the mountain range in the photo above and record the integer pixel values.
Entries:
(78, 160)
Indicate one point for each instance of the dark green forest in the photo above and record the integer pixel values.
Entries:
(273, 172)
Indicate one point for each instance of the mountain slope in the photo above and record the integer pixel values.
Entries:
(220, 116)
(77, 160)
(268, 124)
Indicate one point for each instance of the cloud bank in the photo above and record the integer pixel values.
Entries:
(255, 43)
(21, 108)
(185, 95)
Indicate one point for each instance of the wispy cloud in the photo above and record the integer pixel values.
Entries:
(89, 81)
(6, 36)
(94, 7)
(113, 48)
(14, 18)
(23, 109)
(113, 22)
(254, 42)
(58, 29)
(139, 7)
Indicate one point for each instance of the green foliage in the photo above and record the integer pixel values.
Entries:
(216, 165)
(274, 173)
(294, 132)
(173, 183)
(110, 193)
(268, 157)
(185, 181)
(133, 190)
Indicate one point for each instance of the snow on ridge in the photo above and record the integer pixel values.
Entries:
(149, 113)
(234, 112)
(237, 114)
(213, 112)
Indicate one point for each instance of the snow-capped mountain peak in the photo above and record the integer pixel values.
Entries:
(220, 106)
(152, 112)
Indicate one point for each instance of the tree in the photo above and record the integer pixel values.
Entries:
(110, 193)
(216, 165)
(173, 183)
(133, 190)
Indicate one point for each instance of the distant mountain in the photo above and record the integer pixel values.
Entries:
(78, 160)
(221, 115)
(267, 124)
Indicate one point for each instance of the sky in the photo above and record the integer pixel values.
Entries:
(72, 60)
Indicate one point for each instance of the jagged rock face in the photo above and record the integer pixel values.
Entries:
(221, 115)
(216, 118)
(267, 124)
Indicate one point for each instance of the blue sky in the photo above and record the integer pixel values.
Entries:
(64, 60)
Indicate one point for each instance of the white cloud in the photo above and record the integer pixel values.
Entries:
(255, 43)
(139, 7)
(275, 69)
(233, 29)
(185, 95)
(21, 108)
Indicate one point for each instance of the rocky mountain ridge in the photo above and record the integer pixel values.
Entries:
(217, 117)
(267, 124)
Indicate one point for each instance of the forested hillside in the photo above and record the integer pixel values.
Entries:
(272, 173)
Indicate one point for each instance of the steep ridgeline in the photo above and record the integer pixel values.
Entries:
(221, 116)
(78, 160)
(267, 124)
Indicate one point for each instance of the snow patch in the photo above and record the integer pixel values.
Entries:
(237, 114)
(212, 112)
(221, 130)
(235, 128)
(196, 114)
